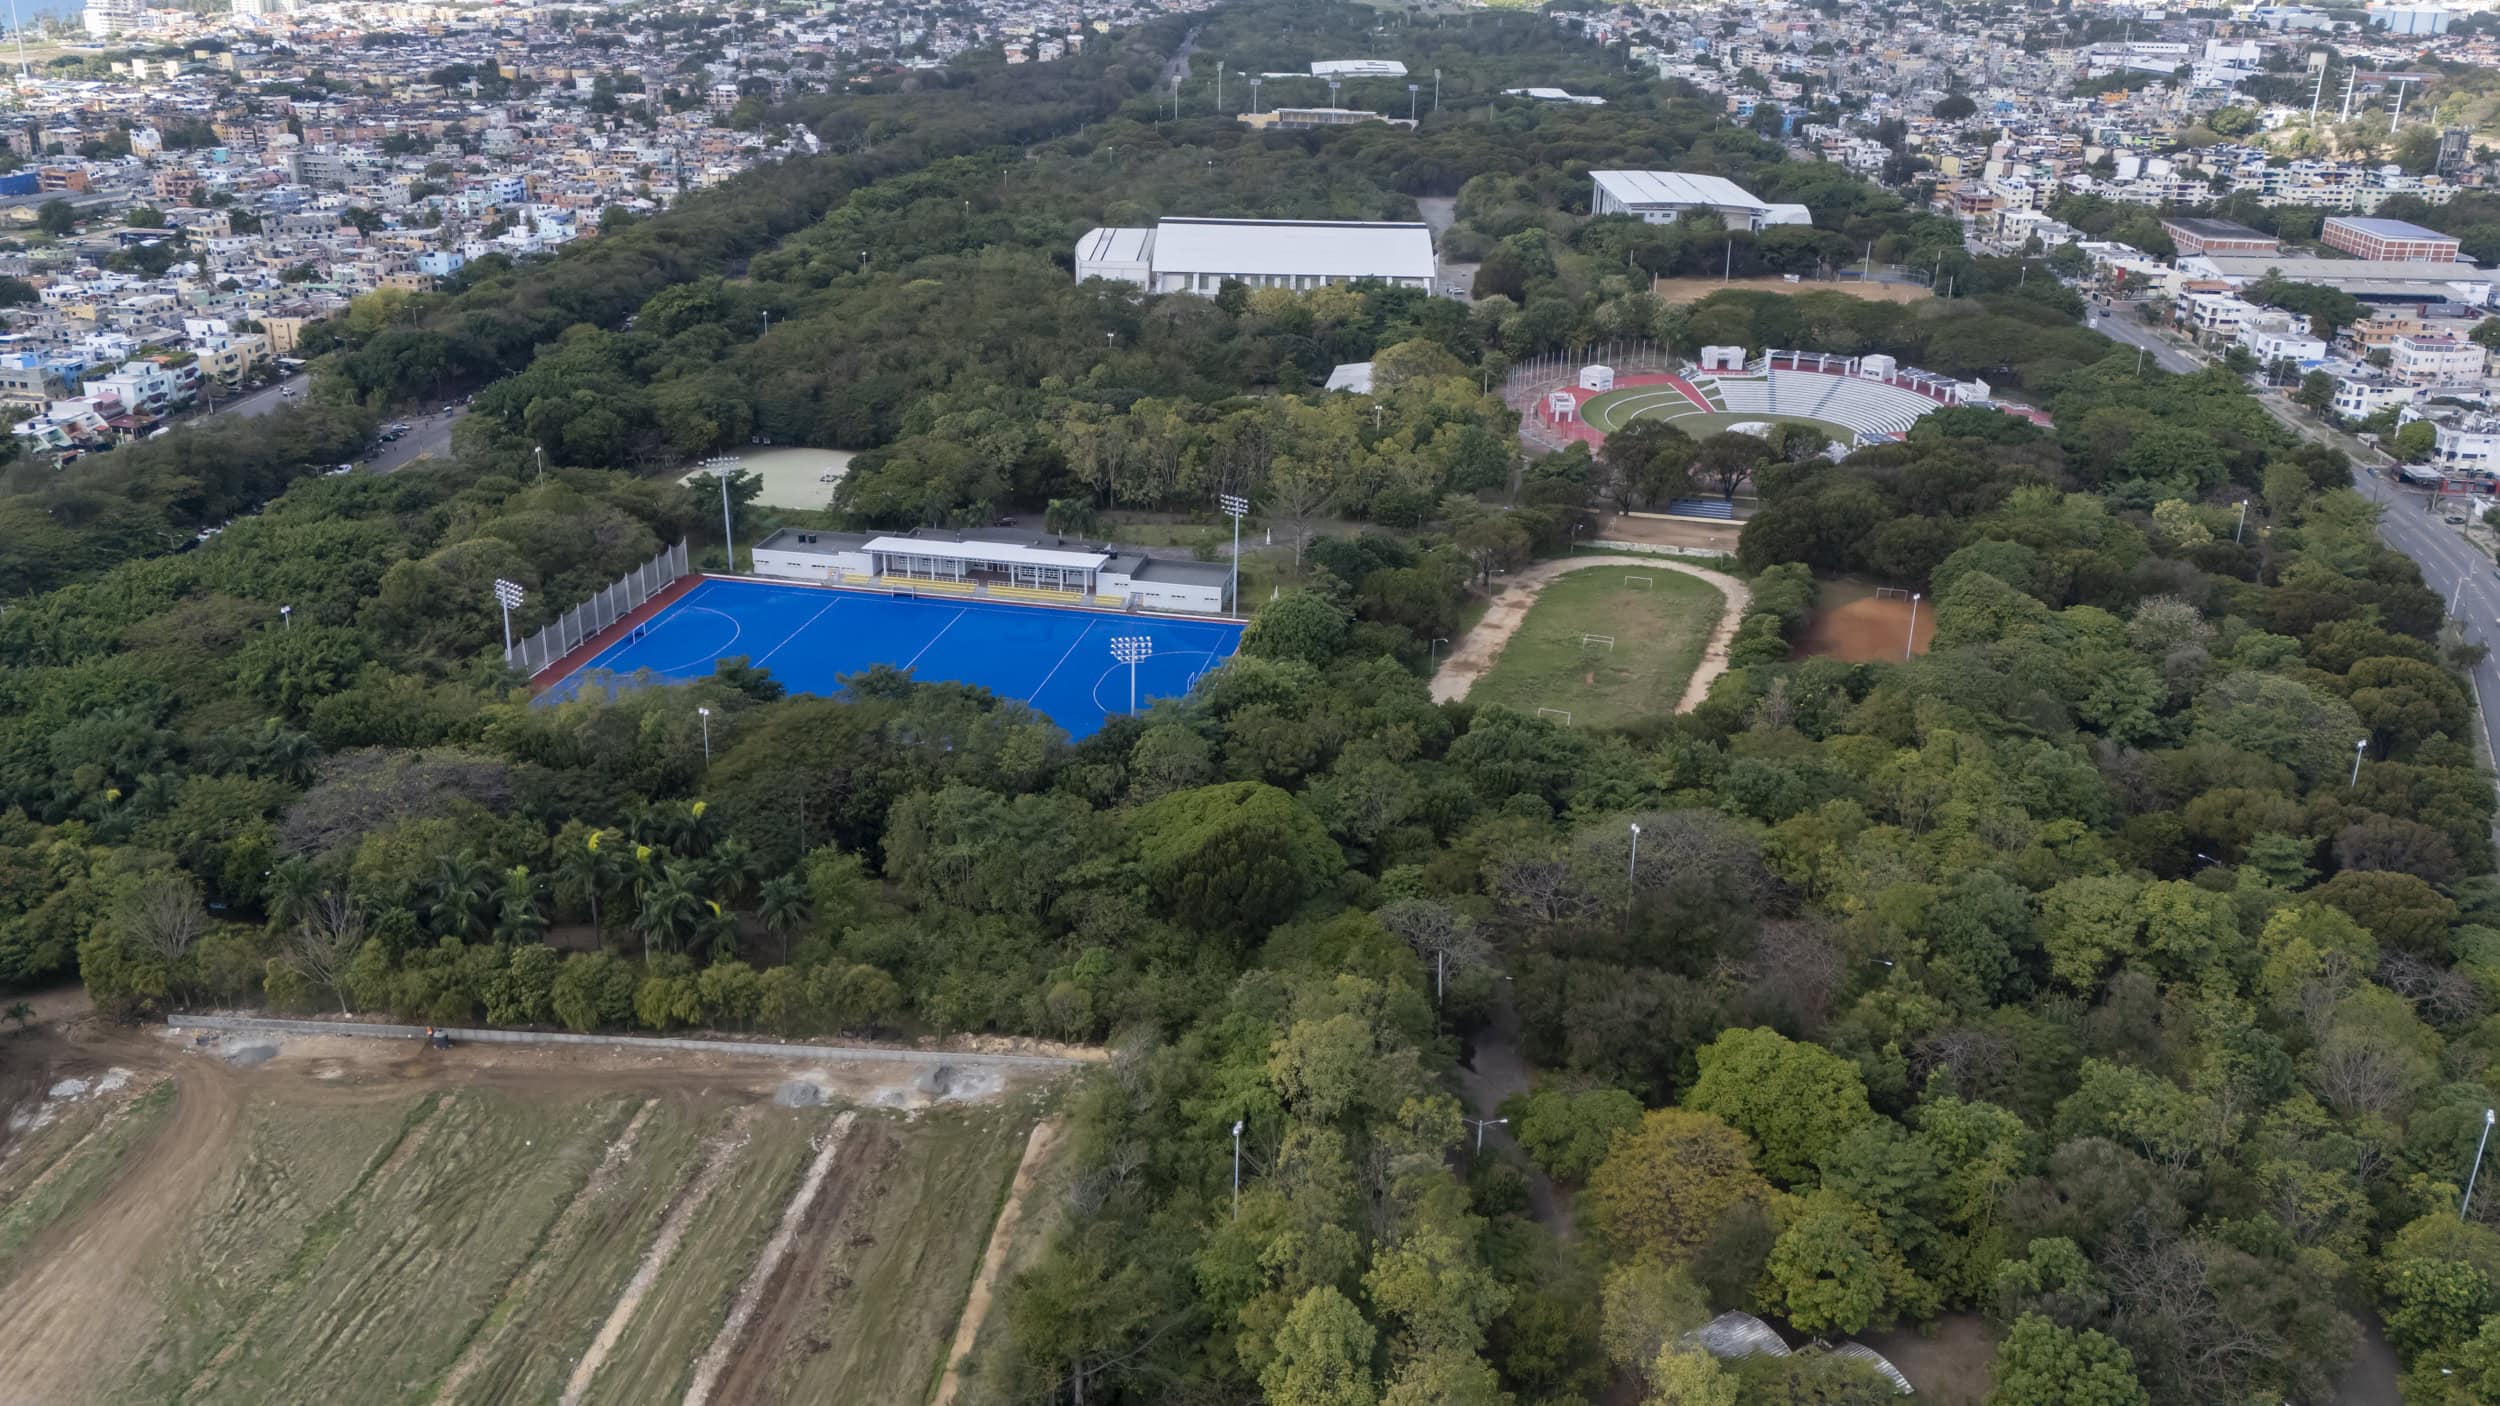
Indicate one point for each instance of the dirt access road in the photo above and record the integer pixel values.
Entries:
(1474, 653)
(153, 1191)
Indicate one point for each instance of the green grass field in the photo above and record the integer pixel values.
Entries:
(1658, 632)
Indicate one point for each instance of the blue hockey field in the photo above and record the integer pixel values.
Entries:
(1057, 660)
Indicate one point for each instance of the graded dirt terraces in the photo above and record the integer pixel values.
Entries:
(283, 1218)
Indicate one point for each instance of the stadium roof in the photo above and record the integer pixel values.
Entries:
(1014, 552)
(2385, 229)
(1116, 246)
(1312, 248)
(1674, 188)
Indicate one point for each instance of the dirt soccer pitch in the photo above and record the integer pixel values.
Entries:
(284, 1218)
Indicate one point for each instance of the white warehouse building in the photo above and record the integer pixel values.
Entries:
(1200, 256)
(1661, 197)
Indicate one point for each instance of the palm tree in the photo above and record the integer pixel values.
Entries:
(292, 887)
(285, 754)
(463, 896)
(669, 909)
(731, 870)
(716, 929)
(583, 871)
(518, 917)
(689, 831)
(785, 903)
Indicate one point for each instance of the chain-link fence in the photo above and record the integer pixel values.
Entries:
(612, 604)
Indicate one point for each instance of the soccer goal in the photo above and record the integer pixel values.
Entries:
(1891, 593)
(1637, 583)
(1562, 713)
(1590, 644)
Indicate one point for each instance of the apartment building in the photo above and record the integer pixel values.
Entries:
(2435, 358)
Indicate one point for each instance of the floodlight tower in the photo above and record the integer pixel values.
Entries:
(1235, 507)
(1132, 650)
(509, 595)
(725, 467)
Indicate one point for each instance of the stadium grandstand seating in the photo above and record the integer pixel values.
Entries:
(1872, 408)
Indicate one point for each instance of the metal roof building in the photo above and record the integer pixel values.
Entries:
(1661, 196)
(1200, 256)
(2370, 280)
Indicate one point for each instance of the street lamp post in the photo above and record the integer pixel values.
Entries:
(1132, 650)
(725, 467)
(1632, 871)
(706, 715)
(1237, 1168)
(1480, 1124)
(1412, 89)
(2243, 523)
(2357, 749)
(509, 595)
(2467, 1204)
(1432, 654)
(286, 619)
(540, 451)
(1235, 507)
(1910, 642)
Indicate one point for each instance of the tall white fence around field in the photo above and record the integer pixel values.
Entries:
(618, 600)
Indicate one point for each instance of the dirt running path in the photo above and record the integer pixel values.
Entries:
(1037, 1151)
(715, 1360)
(1472, 657)
(720, 1160)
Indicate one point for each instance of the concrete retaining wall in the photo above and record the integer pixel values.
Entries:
(832, 1054)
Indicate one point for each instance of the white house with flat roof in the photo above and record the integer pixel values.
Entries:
(1200, 256)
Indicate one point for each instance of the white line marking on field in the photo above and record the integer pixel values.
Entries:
(1054, 669)
(933, 639)
(794, 634)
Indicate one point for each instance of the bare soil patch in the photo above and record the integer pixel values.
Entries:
(1850, 623)
(1665, 532)
(1677, 291)
(347, 1219)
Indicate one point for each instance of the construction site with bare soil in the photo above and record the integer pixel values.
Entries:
(255, 1216)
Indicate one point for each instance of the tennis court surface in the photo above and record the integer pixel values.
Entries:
(1059, 661)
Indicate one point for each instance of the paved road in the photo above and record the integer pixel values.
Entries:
(428, 437)
(2458, 570)
(259, 402)
(2122, 323)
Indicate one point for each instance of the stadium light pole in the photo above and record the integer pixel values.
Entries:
(2357, 749)
(706, 715)
(725, 467)
(1132, 650)
(1632, 871)
(1480, 1124)
(509, 595)
(2467, 1204)
(1910, 642)
(1236, 507)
